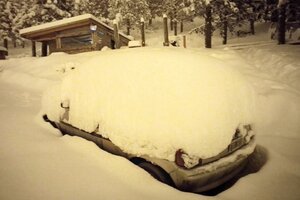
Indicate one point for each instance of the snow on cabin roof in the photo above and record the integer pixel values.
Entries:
(3, 48)
(64, 22)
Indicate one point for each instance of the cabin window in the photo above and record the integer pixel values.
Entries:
(76, 41)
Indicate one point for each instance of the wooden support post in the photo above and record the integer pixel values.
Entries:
(33, 48)
(175, 27)
(116, 35)
(94, 40)
(58, 43)
(44, 49)
(181, 26)
(143, 32)
(166, 34)
(184, 41)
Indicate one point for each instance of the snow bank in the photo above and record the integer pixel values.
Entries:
(275, 74)
(37, 73)
(156, 101)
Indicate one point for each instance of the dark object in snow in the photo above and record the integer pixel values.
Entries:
(3, 53)
(174, 43)
(74, 35)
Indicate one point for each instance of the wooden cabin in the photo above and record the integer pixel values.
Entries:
(74, 35)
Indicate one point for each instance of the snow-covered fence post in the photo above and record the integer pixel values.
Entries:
(184, 41)
(208, 26)
(181, 26)
(116, 34)
(281, 21)
(171, 23)
(143, 31)
(166, 34)
(44, 49)
(33, 48)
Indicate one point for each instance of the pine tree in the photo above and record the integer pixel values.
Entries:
(4, 25)
(179, 11)
(43, 11)
(227, 15)
(98, 8)
(130, 12)
(7, 30)
(156, 8)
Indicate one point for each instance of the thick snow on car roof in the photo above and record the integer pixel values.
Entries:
(156, 101)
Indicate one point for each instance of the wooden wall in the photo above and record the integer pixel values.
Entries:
(103, 36)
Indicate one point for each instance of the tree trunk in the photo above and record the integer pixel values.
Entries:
(225, 30)
(14, 42)
(181, 26)
(150, 21)
(175, 27)
(171, 24)
(5, 44)
(208, 26)
(128, 26)
(281, 24)
(252, 25)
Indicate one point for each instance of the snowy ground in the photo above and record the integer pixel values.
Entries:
(36, 162)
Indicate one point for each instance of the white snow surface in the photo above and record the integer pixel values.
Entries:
(37, 162)
(156, 101)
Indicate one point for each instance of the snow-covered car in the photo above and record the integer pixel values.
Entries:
(183, 116)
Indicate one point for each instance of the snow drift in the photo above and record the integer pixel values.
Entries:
(156, 101)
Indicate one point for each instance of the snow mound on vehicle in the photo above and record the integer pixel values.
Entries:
(156, 101)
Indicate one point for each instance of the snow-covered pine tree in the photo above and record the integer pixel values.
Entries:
(251, 11)
(156, 8)
(179, 11)
(130, 12)
(4, 25)
(98, 8)
(43, 11)
(226, 15)
(7, 30)
(66, 5)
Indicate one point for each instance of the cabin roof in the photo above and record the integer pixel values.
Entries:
(3, 49)
(63, 24)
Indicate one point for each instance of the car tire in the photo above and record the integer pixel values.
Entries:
(157, 172)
